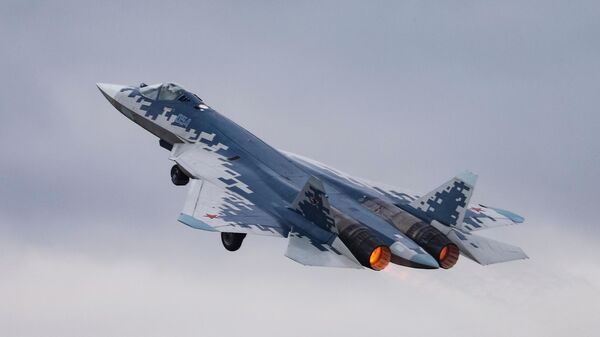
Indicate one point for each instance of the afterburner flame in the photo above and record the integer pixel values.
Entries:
(380, 257)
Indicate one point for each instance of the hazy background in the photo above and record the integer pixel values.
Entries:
(403, 92)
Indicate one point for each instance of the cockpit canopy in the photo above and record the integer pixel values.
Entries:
(163, 92)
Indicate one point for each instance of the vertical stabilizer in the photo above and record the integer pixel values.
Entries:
(448, 203)
(313, 204)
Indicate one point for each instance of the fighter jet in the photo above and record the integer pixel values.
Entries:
(240, 185)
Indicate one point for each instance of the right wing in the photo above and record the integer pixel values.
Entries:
(211, 208)
(219, 201)
(219, 197)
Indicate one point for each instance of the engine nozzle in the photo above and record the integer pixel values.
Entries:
(435, 243)
(366, 247)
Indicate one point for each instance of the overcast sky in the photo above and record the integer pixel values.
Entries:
(404, 92)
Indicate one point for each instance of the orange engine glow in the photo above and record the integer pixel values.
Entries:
(448, 256)
(443, 253)
(380, 257)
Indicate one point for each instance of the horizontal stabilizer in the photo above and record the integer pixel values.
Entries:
(482, 217)
(483, 250)
(306, 251)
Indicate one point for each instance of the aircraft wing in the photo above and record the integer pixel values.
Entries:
(481, 217)
(211, 208)
(218, 199)
(203, 162)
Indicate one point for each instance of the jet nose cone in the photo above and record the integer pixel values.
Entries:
(110, 90)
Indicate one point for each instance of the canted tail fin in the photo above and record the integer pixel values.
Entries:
(313, 204)
(448, 203)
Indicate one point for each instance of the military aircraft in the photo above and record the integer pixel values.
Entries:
(240, 185)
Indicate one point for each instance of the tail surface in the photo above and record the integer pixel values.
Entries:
(446, 208)
(313, 204)
(484, 250)
(448, 203)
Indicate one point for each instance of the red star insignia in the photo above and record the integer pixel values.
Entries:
(211, 216)
(476, 209)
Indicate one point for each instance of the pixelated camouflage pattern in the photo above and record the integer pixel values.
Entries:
(241, 184)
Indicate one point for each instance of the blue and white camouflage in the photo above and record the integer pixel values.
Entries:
(240, 185)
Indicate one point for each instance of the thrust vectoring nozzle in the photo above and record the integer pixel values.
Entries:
(372, 248)
(365, 245)
(431, 239)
